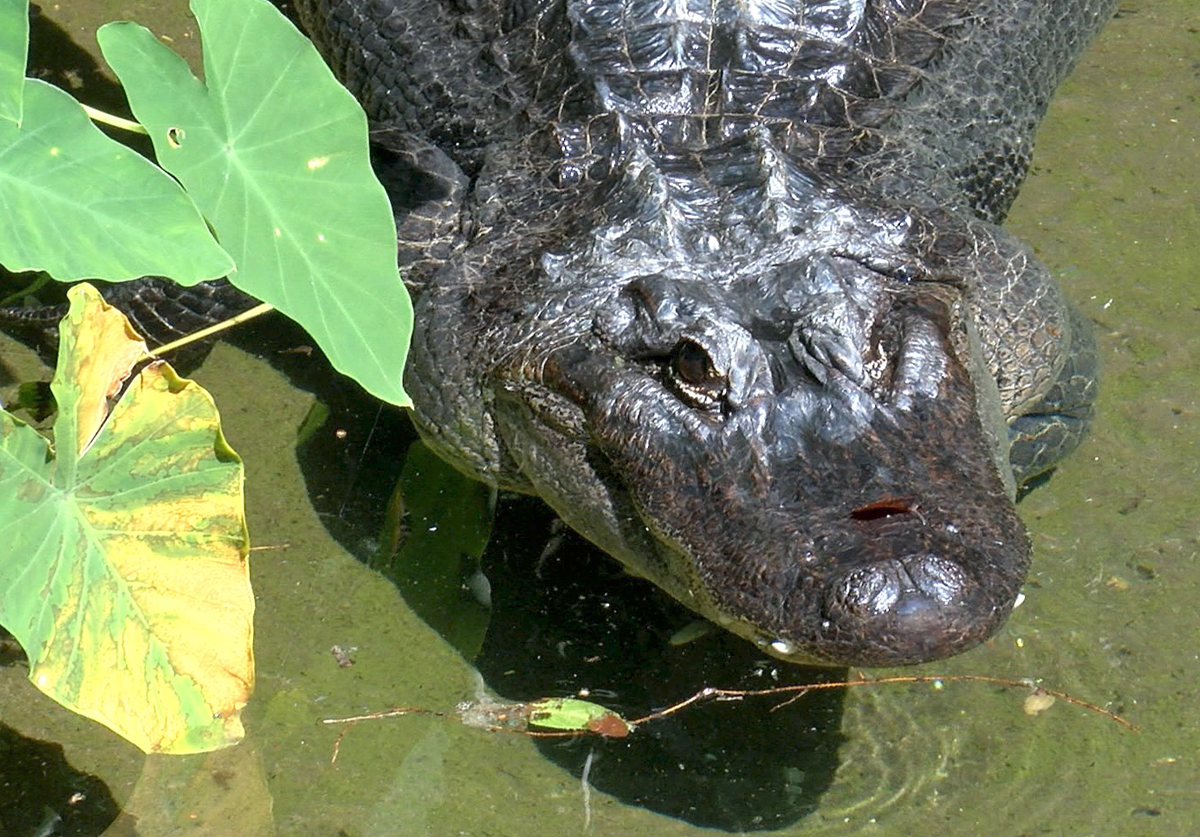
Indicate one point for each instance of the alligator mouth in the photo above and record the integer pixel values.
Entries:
(891, 582)
(924, 560)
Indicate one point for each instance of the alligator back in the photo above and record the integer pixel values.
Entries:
(934, 99)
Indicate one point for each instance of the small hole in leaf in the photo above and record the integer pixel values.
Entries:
(175, 137)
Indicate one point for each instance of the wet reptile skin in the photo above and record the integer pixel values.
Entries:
(722, 282)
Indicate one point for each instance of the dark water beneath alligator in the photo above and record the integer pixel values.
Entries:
(1113, 205)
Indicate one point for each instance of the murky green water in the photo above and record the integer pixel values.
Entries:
(1111, 616)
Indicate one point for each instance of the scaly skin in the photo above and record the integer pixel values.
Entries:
(722, 282)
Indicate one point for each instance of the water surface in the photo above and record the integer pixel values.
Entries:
(1110, 614)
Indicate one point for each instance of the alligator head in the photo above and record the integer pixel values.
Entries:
(798, 439)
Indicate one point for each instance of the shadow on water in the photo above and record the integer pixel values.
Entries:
(56, 58)
(573, 620)
(41, 794)
(565, 618)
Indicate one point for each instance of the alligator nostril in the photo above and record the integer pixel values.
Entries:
(885, 508)
(913, 587)
(940, 579)
(869, 591)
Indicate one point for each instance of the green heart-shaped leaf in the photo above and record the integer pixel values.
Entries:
(14, 44)
(274, 152)
(79, 205)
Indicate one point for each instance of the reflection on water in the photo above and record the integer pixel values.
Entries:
(561, 618)
(572, 620)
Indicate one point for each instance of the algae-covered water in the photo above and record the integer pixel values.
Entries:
(1111, 614)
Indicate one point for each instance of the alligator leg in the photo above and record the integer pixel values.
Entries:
(1056, 423)
(426, 189)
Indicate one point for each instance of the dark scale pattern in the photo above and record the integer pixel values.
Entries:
(720, 282)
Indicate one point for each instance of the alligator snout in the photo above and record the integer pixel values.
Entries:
(916, 607)
(824, 519)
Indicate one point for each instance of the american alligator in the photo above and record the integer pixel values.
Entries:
(722, 282)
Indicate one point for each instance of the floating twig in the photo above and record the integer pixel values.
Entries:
(573, 717)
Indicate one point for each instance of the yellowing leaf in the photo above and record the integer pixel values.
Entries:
(123, 568)
(101, 348)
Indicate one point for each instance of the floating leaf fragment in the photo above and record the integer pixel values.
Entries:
(1038, 701)
(578, 716)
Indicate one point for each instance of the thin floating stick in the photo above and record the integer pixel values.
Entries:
(385, 713)
(570, 717)
(798, 691)
(382, 713)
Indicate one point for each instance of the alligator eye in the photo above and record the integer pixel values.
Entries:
(692, 365)
(694, 377)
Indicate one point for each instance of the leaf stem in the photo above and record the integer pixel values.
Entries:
(40, 280)
(115, 121)
(256, 311)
